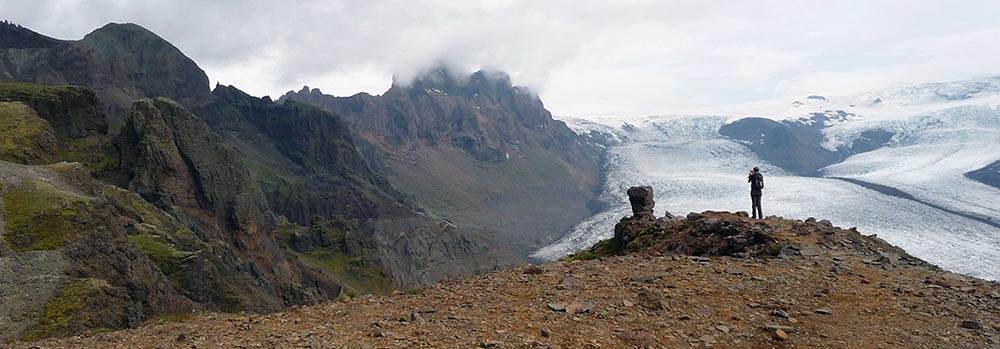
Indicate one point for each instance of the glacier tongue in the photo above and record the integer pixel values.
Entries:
(693, 169)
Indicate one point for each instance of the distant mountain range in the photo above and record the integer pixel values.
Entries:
(131, 190)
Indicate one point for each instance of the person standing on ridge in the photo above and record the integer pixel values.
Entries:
(756, 181)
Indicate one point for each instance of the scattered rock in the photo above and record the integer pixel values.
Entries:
(651, 299)
(546, 333)
(533, 270)
(181, 337)
(489, 344)
(569, 281)
(780, 313)
(810, 251)
(787, 329)
(699, 259)
(971, 324)
(780, 335)
(579, 307)
(824, 311)
(626, 303)
(640, 279)
(707, 338)
(416, 317)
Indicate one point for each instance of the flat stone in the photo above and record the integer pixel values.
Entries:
(580, 308)
(780, 313)
(707, 338)
(416, 317)
(626, 303)
(489, 344)
(546, 333)
(722, 328)
(824, 311)
(810, 251)
(571, 282)
(780, 335)
(640, 279)
(787, 329)
(734, 271)
(971, 324)
(700, 259)
(557, 307)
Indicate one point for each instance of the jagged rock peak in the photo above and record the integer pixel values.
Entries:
(13, 35)
(445, 81)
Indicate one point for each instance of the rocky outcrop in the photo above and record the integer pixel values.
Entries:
(477, 150)
(641, 199)
(120, 62)
(734, 234)
(307, 162)
(798, 145)
(178, 163)
(27, 138)
(68, 268)
(77, 121)
(175, 160)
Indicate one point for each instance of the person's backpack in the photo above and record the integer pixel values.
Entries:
(756, 181)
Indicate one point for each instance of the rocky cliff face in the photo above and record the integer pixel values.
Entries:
(121, 208)
(194, 231)
(478, 150)
(308, 165)
(119, 62)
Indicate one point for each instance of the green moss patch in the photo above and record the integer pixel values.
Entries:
(603, 248)
(71, 306)
(42, 217)
(25, 138)
(166, 257)
(356, 274)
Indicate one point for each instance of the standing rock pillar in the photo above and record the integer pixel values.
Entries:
(641, 199)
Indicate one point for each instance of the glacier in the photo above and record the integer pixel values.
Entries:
(941, 131)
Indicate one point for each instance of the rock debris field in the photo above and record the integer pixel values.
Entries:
(824, 295)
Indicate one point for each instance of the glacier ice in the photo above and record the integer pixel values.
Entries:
(941, 133)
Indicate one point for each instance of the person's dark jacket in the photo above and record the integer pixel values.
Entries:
(756, 181)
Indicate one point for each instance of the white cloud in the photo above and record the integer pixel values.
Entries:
(584, 57)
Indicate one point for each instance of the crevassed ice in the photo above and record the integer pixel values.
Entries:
(693, 169)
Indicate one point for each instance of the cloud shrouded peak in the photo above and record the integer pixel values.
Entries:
(589, 57)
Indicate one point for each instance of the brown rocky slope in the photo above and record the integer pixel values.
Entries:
(772, 283)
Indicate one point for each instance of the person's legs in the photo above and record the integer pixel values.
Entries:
(757, 211)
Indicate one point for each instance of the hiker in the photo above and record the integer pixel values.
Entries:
(756, 181)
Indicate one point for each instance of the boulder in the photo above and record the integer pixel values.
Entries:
(641, 199)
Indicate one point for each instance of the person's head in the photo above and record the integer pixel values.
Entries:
(755, 170)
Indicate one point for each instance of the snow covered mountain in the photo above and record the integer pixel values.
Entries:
(916, 165)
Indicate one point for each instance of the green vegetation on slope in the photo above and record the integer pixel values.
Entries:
(25, 138)
(72, 305)
(42, 217)
(78, 131)
(329, 248)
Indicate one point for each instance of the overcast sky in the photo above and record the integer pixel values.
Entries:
(582, 57)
